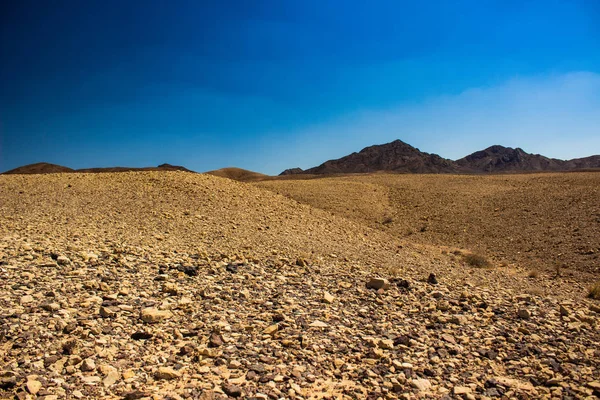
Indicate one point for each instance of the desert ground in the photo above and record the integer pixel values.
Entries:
(175, 285)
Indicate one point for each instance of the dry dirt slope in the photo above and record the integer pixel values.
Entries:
(535, 220)
(177, 285)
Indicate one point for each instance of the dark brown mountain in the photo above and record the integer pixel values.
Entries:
(162, 167)
(396, 156)
(591, 162)
(39, 168)
(504, 159)
(46, 168)
(292, 171)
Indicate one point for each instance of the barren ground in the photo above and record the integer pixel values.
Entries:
(177, 285)
(538, 221)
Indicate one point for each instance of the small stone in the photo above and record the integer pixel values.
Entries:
(26, 299)
(422, 385)
(170, 288)
(141, 335)
(524, 313)
(563, 311)
(215, 340)
(594, 385)
(88, 365)
(458, 319)
(33, 386)
(318, 324)
(432, 279)
(166, 373)
(449, 338)
(378, 283)
(328, 298)
(386, 344)
(271, 329)
(52, 307)
(595, 308)
(135, 395)
(151, 315)
(63, 260)
(232, 390)
(461, 390)
(111, 378)
(107, 312)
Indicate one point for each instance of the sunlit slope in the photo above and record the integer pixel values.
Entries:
(537, 220)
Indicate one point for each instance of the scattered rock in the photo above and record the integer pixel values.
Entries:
(141, 335)
(462, 390)
(63, 260)
(166, 373)
(423, 385)
(215, 340)
(151, 315)
(270, 330)
(432, 279)
(33, 386)
(88, 365)
(170, 288)
(328, 298)
(232, 390)
(523, 313)
(378, 283)
(8, 380)
(563, 311)
(111, 378)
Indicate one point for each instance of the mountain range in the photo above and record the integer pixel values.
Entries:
(398, 156)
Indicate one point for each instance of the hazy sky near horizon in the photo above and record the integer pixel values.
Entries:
(270, 85)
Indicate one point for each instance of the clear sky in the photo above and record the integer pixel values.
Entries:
(269, 85)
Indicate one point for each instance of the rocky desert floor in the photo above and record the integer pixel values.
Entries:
(173, 285)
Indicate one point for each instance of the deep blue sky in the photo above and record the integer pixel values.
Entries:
(268, 85)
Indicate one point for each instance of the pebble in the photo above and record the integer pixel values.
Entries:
(232, 390)
(422, 385)
(378, 283)
(152, 315)
(88, 365)
(63, 260)
(33, 386)
(167, 373)
(523, 313)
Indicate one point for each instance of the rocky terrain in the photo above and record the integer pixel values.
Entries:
(398, 156)
(547, 222)
(170, 285)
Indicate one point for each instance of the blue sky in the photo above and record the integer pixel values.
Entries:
(269, 85)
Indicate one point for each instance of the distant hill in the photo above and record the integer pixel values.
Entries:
(162, 167)
(292, 171)
(46, 168)
(238, 174)
(39, 168)
(398, 156)
(499, 159)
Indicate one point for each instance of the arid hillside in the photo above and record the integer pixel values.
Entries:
(153, 285)
(535, 220)
(238, 174)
